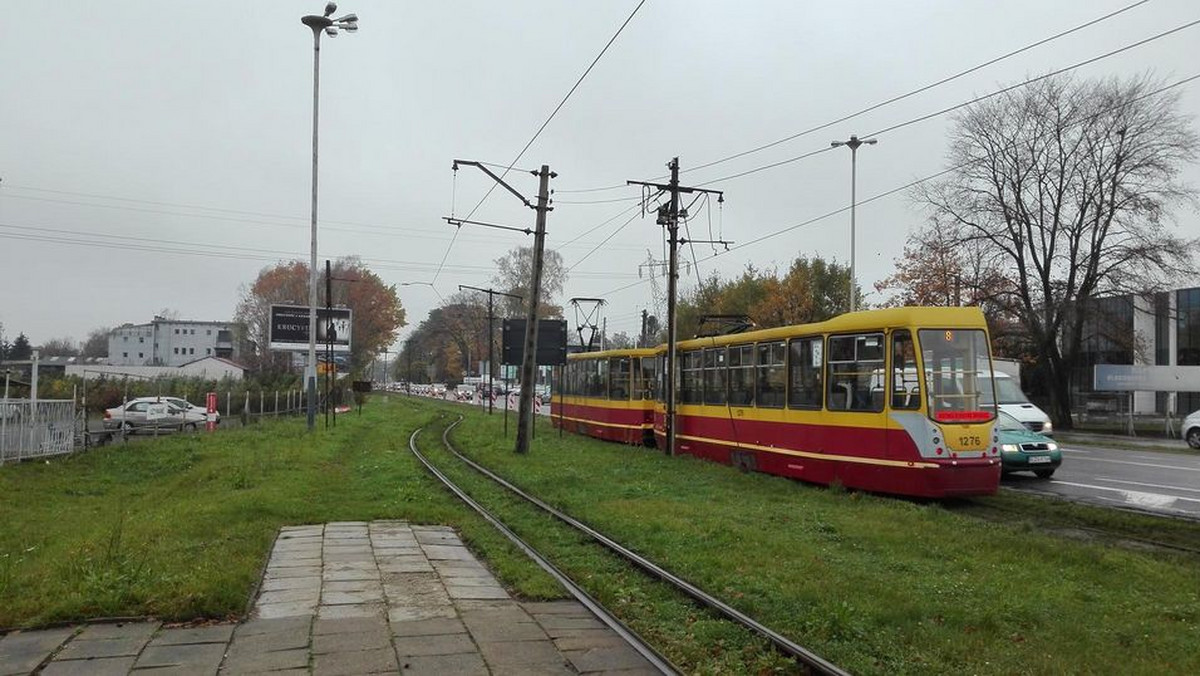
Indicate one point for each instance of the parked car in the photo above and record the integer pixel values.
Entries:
(1022, 449)
(184, 404)
(151, 413)
(1190, 430)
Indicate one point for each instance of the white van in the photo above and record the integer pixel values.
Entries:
(1014, 402)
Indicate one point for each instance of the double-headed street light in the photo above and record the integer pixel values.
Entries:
(853, 145)
(318, 24)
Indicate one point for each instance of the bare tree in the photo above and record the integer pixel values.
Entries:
(1066, 187)
(515, 269)
(59, 347)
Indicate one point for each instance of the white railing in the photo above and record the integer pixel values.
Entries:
(27, 431)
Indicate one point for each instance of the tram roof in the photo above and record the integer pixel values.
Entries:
(865, 320)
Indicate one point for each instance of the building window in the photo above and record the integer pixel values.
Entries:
(177, 332)
(191, 350)
(125, 355)
(124, 339)
(806, 365)
(208, 332)
(176, 350)
(141, 339)
(854, 361)
(140, 356)
(741, 375)
(769, 386)
(208, 350)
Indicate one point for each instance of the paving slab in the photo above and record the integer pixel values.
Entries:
(350, 598)
(108, 666)
(22, 651)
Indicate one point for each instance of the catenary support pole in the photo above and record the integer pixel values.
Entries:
(529, 359)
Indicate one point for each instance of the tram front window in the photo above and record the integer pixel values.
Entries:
(957, 370)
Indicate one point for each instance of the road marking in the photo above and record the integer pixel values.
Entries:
(1064, 449)
(1139, 483)
(1145, 464)
(1139, 498)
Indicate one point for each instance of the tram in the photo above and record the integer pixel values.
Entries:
(888, 401)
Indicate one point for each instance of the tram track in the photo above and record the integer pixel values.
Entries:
(811, 662)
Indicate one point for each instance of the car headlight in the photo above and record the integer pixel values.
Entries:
(1008, 448)
(1052, 447)
(1047, 427)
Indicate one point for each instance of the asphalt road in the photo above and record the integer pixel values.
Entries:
(1167, 483)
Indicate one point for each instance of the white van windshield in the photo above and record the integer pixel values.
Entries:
(1007, 392)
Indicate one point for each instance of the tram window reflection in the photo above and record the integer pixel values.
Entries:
(855, 362)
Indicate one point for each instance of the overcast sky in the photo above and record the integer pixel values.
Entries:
(156, 155)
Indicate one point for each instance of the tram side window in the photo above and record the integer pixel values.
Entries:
(806, 366)
(714, 375)
(649, 377)
(906, 386)
(855, 370)
(741, 375)
(691, 387)
(772, 378)
(618, 378)
(597, 378)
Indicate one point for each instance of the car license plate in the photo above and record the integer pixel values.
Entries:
(1038, 459)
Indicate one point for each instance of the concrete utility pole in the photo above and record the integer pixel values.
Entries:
(529, 361)
(668, 215)
(491, 334)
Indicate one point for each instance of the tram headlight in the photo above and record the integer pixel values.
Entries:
(1008, 448)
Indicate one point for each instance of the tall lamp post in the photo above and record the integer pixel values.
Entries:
(318, 24)
(853, 145)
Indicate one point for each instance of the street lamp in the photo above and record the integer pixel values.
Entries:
(853, 145)
(318, 24)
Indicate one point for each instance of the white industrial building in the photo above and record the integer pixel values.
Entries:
(169, 342)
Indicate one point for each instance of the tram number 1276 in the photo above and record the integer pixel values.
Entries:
(970, 441)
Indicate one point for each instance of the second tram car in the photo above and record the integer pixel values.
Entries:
(883, 400)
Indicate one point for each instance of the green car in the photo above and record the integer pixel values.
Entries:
(1025, 450)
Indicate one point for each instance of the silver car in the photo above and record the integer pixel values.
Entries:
(149, 414)
(1190, 429)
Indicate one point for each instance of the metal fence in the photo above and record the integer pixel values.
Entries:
(27, 431)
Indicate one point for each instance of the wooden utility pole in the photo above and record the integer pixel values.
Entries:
(529, 359)
(668, 216)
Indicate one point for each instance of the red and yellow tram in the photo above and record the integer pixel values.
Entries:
(882, 400)
(609, 395)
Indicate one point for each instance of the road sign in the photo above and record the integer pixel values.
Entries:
(1123, 378)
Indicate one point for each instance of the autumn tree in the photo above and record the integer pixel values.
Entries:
(1065, 187)
(376, 308)
(515, 271)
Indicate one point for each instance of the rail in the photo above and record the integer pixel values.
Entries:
(814, 662)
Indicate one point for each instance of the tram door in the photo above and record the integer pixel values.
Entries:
(854, 365)
(904, 390)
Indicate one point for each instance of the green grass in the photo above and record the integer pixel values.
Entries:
(876, 584)
(179, 528)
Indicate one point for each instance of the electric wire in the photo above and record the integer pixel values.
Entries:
(964, 104)
(881, 195)
(547, 122)
(890, 101)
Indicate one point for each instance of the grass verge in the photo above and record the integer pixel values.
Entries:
(876, 584)
(179, 528)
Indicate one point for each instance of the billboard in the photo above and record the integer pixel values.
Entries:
(1119, 378)
(551, 342)
(289, 328)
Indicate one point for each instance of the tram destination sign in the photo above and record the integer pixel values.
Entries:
(1122, 378)
(289, 328)
(551, 342)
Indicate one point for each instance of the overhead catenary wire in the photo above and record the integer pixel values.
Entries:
(543, 126)
(877, 196)
(964, 104)
(886, 102)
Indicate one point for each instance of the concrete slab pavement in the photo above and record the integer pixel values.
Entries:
(383, 597)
